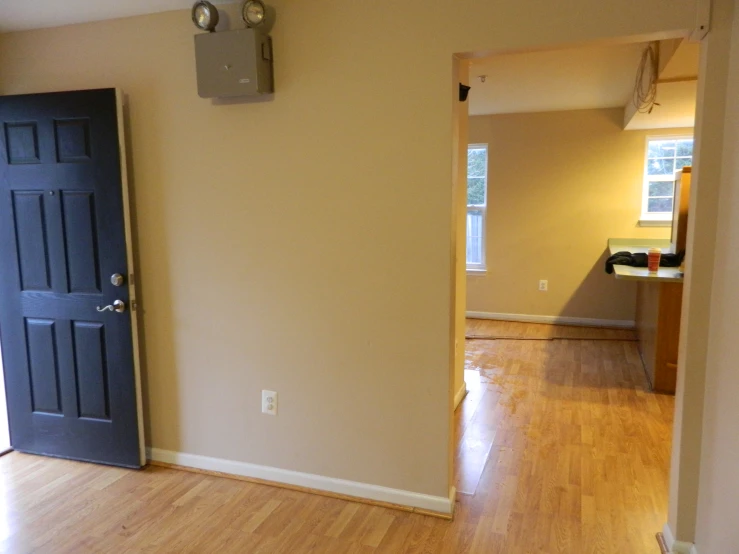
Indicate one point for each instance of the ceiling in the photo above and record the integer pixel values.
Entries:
(36, 14)
(584, 78)
(576, 79)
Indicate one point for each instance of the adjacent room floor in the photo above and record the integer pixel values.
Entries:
(561, 449)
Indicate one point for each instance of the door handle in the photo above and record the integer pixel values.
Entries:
(117, 306)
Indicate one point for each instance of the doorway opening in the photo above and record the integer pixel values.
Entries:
(562, 360)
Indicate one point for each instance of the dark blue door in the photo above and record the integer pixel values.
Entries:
(69, 367)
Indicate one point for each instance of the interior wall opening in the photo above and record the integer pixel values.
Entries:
(574, 155)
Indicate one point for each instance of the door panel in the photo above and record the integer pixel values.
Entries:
(43, 365)
(70, 370)
(33, 245)
(80, 237)
(22, 143)
(91, 370)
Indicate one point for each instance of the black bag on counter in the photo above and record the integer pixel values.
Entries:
(640, 260)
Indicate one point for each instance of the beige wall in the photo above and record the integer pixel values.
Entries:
(718, 499)
(303, 244)
(560, 184)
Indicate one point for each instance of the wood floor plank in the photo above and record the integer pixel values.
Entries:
(341, 522)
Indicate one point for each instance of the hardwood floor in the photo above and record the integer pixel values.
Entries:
(562, 450)
(562, 441)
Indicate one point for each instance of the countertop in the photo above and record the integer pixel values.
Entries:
(629, 273)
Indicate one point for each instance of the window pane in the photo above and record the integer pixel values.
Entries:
(661, 167)
(476, 191)
(474, 224)
(476, 162)
(682, 162)
(474, 252)
(659, 205)
(663, 159)
(660, 188)
(661, 148)
(685, 147)
(474, 237)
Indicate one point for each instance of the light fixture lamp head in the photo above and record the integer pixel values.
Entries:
(253, 13)
(205, 16)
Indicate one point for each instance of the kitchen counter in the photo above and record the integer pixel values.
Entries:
(629, 273)
(658, 307)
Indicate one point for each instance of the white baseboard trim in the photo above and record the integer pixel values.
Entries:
(555, 319)
(461, 393)
(675, 546)
(438, 504)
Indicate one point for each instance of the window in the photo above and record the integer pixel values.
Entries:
(664, 157)
(477, 191)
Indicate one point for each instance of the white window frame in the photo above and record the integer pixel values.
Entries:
(648, 219)
(480, 209)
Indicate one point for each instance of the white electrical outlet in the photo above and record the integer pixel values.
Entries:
(544, 285)
(269, 402)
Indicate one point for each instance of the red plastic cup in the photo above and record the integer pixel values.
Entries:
(653, 257)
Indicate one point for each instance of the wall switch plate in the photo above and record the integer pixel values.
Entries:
(269, 402)
(544, 285)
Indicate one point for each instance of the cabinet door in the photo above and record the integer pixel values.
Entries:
(668, 337)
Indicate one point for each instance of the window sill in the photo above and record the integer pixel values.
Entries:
(476, 271)
(655, 222)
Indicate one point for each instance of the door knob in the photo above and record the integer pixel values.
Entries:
(117, 306)
(117, 280)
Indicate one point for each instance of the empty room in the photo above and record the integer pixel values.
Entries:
(246, 303)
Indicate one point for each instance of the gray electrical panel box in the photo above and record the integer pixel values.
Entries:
(234, 63)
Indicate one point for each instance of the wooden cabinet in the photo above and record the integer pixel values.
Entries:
(659, 303)
(658, 307)
(680, 209)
